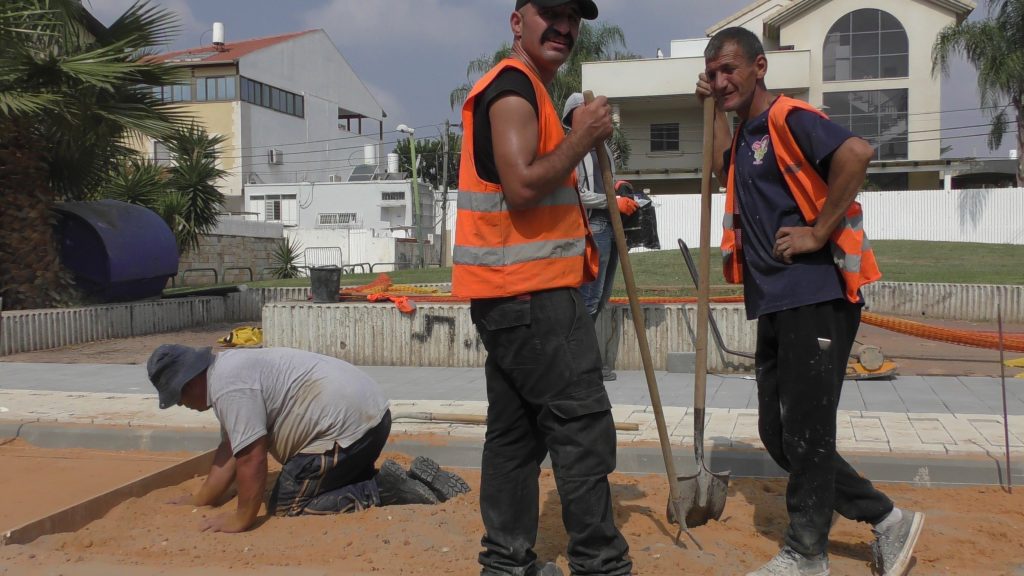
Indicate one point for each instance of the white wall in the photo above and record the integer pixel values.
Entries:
(357, 246)
(314, 147)
(935, 215)
(362, 198)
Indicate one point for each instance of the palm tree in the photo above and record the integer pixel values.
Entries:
(193, 205)
(596, 42)
(185, 194)
(993, 46)
(70, 96)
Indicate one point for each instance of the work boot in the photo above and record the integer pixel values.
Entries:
(789, 562)
(445, 485)
(894, 542)
(395, 487)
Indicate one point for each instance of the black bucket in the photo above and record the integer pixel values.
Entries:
(325, 281)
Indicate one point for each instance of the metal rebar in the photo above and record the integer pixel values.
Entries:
(1006, 419)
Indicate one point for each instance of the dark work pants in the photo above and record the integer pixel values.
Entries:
(798, 388)
(545, 395)
(339, 480)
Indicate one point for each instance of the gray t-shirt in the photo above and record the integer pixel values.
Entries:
(304, 402)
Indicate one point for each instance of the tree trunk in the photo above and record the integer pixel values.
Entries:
(31, 275)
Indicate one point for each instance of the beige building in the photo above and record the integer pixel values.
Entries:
(290, 106)
(865, 63)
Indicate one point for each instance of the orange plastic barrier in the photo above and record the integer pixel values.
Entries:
(1013, 341)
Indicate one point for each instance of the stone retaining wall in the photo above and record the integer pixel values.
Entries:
(223, 253)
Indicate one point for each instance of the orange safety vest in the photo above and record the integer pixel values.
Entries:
(851, 250)
(502, 252)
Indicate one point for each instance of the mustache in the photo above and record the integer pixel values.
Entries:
(553, 34)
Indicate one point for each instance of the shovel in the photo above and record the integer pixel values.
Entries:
(676, 510)
(703, 493)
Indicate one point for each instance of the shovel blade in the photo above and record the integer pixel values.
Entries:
(703, 497)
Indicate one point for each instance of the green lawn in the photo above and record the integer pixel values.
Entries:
(662, 273)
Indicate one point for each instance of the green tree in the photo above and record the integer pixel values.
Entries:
(994, 47)
(71, 95)
(430, 155)
(600, 41)
(184, 194)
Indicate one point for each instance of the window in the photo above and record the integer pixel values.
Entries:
(174, 92)
(878, 116)
(665, 137)
(273, 210)
(266, 96)
(161, 155)
(866, 44)
(215, 88)
(336, 219)
(385, 196)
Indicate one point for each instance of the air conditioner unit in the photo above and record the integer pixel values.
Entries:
(275, 156)
(335, 178)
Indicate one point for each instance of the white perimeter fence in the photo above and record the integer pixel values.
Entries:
(988, 215)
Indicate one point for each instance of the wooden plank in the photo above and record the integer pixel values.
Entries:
(76, 516)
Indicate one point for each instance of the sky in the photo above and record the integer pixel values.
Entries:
(412, 53)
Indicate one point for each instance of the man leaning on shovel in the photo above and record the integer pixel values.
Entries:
(322, 418)
(794, 238)
(522, 249)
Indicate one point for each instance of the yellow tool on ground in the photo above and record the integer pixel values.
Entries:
(243, 337)
(869, 363)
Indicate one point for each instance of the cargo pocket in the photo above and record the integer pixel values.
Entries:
(582, 438)
(581, 404)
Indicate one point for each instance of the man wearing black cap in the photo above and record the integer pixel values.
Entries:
(325, 420)
(522, 250)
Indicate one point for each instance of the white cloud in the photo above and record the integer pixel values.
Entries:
(423, 24)
(397, 113)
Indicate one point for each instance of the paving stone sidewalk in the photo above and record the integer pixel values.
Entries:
(910, 414)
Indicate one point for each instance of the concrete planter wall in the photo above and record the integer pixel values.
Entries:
(444, 335)
(670, 329)
(25, 331)
(973, 302)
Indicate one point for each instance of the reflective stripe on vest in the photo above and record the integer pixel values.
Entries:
(495, 201)
(503, 252)
(850, 248)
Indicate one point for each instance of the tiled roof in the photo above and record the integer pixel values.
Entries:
(229, 52)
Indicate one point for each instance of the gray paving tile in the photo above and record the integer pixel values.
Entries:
(989, 391)
(850, 399)
(733, 393)
(918, 396)
(958, 398)
(880, 396)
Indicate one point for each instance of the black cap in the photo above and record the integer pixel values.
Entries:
(587, 7)
(171, 366)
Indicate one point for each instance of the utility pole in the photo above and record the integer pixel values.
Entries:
(417, 208)
(444, 193)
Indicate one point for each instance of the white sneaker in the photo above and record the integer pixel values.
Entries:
(894, 546)
(789, 562)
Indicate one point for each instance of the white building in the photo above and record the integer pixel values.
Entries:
(351, 223)
(291, 107)
(866, 63)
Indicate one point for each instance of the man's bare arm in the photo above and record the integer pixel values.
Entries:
(251, 479)
(527, 178)
(846, 175)
(222, 474)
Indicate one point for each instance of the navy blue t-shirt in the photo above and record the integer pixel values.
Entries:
(765, 205)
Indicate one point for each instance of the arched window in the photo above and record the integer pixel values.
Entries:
(865, 44)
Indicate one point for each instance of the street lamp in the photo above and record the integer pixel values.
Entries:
(415, 190)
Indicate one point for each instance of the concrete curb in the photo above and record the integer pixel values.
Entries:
(749, 462)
